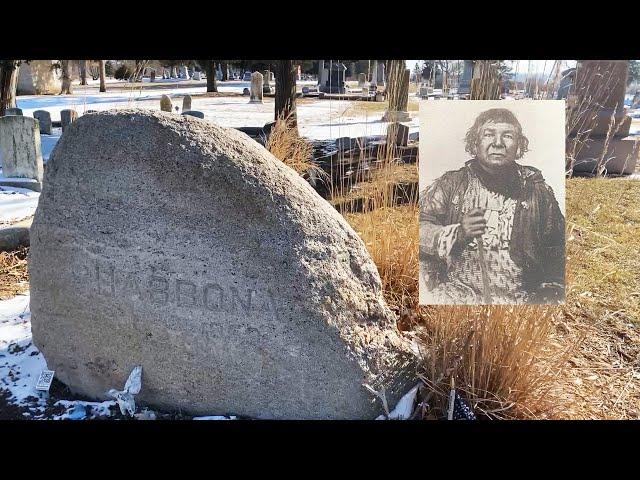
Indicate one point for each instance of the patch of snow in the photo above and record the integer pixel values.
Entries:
(16, 203)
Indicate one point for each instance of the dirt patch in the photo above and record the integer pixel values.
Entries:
(14, 277)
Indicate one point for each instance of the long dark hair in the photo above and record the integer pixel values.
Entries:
(495, 115)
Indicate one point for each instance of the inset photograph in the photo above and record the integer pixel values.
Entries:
(492, 202)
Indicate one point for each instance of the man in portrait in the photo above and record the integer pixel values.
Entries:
(492, 231)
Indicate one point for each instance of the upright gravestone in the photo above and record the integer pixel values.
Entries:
(197, 76)
(165, 104)
(464, 84)
(216, 268)
(600, 87)
(13, 111)
(362, 80)
(186, 103)
(44, 120)
(67, 117)
(184, 73)
(20, 154)
(266, 82)
(381, 75)
(256, 88)
(152, 77)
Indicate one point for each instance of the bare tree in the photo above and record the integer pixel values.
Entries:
(103, 86)
(66, 78)
(8, 84)
(82, 67)
(485, 84)
(285, 75)
(209, 67)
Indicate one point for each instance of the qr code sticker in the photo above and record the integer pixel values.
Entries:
(45, 379)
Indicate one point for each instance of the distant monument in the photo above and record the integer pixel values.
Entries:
(604, 101)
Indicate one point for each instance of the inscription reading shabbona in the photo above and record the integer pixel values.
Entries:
(162, 290)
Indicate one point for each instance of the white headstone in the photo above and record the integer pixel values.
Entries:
(20, 153)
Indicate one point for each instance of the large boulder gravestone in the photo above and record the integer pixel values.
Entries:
(165, 104)
(187, 248)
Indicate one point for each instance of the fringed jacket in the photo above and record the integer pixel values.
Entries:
(537, 240)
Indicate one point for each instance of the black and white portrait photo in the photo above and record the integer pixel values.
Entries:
(492, 198)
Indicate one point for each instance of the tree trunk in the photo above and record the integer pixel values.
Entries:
(66, 78)
(210, 71)
(485, 84)
(8, 84)
(103, 87)
(285, 74)
(225, 72)
(397, 88)
(82, 66)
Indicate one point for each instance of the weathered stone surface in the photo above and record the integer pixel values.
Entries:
(13, 111)
(20, 154)
(244, 293)
(44, 119)
(197, 76)
(165, 104)
(194, 113)
(256, 87)
(186, 103)
(67, 117)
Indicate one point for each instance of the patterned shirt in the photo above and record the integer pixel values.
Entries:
(464, 282)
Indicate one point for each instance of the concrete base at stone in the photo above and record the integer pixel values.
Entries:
(391, 116)
(622, 154)
(28, 183)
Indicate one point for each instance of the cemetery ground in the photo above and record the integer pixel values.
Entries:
(579, 361)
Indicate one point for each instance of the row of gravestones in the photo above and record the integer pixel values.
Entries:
(167, 106)
(20, 145)
(44, 118)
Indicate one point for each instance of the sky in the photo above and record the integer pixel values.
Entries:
(522, 66)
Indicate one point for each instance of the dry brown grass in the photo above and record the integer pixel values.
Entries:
(14, 278)
(288, 146)
(577, 361)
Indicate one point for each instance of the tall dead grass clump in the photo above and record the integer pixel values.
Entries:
(288, 146)
(14, 277)
(504, 359)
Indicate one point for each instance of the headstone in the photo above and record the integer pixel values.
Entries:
(362, 79)
(193, 113)
(20, 154)
(184, 72)
(13, 111)
(397, 134)
(67, 117)
(152, 77)
(165, 104)
(381, 75)
(464, 84)
(245, 91)
(266, 85)
(186, 103)
(336, 81)
(216, 268)
(44, 120)
(197, 76)
(305, 90)
(256, 87)
(374, 73)
(601, 86)
(38, 77)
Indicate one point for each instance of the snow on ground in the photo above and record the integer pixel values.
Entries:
(16, 203)
(318, 119)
